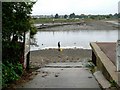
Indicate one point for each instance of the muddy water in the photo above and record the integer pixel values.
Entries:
(72, 38)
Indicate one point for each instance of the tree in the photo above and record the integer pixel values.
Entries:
(118, 15)
(72, 15)
(65, 16)
(15, 21)
(56, 16)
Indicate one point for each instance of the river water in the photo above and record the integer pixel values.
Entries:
(76, 38)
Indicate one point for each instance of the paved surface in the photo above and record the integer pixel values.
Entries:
(109, 49)
(102, 80)
(63, 75)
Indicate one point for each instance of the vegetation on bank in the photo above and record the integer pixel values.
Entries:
(72, 18)
(15, 21)
(58, 20)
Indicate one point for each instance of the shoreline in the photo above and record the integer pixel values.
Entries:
(63, 48)
(50, 25)
(86, 25)
(39, 58)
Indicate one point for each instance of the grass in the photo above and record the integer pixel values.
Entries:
(50, 20)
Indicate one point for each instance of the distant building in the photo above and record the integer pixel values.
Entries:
(46, 16)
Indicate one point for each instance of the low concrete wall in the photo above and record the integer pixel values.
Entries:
(104, 64)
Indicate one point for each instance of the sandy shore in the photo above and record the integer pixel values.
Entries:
(41, 57)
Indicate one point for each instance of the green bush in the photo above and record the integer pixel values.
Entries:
(113, 83)
(11, 52)
(11, 73)
(18, 69)
(33, 31)
(11, 56)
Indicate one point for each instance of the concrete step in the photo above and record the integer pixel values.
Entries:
(64, 65)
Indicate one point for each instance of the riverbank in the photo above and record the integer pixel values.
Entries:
(84, 25)
(39, 58)
(50, 25)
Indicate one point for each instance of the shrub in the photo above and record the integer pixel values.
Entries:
(33, 31)
(11, 72)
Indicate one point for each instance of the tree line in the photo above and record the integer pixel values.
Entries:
(73, 15)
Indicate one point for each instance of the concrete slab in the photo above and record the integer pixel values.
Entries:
(102, 80)
(63, 78)
(65, 65)
(109, 48)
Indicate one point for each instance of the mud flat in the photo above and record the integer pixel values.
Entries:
(87, 25)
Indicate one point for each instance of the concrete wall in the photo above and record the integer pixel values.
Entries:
(104, 64)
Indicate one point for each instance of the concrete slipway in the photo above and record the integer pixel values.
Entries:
(63, 75)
